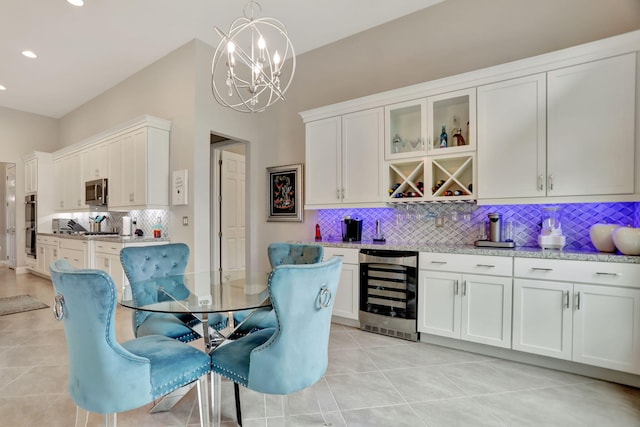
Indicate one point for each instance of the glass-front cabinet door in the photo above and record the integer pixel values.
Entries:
(452, 122)
(405, 129)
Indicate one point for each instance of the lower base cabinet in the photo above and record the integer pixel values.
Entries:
(471, 307)
(346, 302)
(591, 323)
(47, 250)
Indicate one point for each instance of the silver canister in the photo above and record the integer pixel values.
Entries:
(495, 227)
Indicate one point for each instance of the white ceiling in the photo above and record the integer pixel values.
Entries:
(83, 51)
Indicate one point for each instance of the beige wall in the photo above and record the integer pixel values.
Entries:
(22, 133)
(450, 38)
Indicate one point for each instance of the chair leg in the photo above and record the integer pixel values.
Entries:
(79, 417)
(203, 401)
(236, 392)
(216, 399)
(111, 420)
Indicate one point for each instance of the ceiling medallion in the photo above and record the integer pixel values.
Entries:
(249, 72)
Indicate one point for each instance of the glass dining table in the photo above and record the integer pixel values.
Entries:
(201, 294)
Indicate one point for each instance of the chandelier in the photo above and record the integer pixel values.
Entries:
(249, 72)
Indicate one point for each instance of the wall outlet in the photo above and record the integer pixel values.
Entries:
(185, 220)
(439, 221)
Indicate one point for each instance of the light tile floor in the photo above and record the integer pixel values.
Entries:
(371, 381)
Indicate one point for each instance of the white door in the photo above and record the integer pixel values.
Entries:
(346, 300)
(439, 303)
(10, 249)
(542, 317)
(605, 327)
(486, 310)
(362, 154)
(591, 127)
(512, 138)
(323, 182)
(232, 211)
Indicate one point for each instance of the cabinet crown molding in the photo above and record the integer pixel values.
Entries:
(128, 126)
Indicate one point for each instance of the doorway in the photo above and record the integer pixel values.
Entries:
(228, 205)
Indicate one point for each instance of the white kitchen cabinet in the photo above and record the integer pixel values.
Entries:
(347, 300)
(457, 112)
(38, 175)
(139, 169)
(578, 310)
(47, 251)
(591, 128)
(344, 160)
(512, 138)
(466, 297)
(68, 183)
(95, 162)
(76, 252)
(405, 129)
(31, 175)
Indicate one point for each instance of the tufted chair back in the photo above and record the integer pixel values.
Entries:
(147, 262)
(106, 376)
(294, 253)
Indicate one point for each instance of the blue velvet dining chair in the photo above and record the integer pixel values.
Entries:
(293, 355)
(107, 377)
(146, 262)
(279, 254)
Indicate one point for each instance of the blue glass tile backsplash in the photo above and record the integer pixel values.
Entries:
(416, 223)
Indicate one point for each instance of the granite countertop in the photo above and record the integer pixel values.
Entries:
(522, 252)
(108, 238)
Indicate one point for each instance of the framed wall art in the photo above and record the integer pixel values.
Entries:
(285, 193)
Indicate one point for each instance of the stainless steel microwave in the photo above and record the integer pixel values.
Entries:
(96, 193)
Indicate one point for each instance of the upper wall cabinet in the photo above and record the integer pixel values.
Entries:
(405, 129)
(139, 169)
(512, 138)
(344, 159)
(95, 162)
(68, 184)
(452, 122)
(591, 128)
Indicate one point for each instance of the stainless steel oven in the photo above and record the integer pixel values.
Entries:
(30, 224)
(389, 292)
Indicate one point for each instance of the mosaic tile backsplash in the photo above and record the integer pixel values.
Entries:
(416, 223)
(145, 219)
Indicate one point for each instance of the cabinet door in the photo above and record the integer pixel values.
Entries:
(406, 127)
(114, 152)
(362, 134)
(486, 310)
(542, 317)
(512, 138)
(31, 176)
(323, 162)
(134, 167)
(457, 112)
(72, 183)
(439, 303)
(346, 300)
(58, 185)
(94, 162)
(591, 125)
(605, 327)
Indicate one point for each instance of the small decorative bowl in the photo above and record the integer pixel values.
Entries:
(601, 236)
(627, 240)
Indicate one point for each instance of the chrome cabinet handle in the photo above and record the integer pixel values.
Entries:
(464, 288)
(337, 193)
(566, 299)
(540, 182)
(599, 273)
(541, 269)
(550, 182)
(485, 265)
(439, 262)
(455, 287)
(577, 300)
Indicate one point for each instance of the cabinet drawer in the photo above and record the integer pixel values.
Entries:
(46, 240)
(603, 273)
(111, 248)
(350, 256)
(463, 263)
(78, 245)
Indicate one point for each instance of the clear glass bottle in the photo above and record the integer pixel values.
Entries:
(157, 228)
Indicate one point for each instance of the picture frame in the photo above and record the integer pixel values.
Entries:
(284, 190)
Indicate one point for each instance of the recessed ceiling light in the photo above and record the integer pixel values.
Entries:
(76, 2)
(29, 54)
(2, 87)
